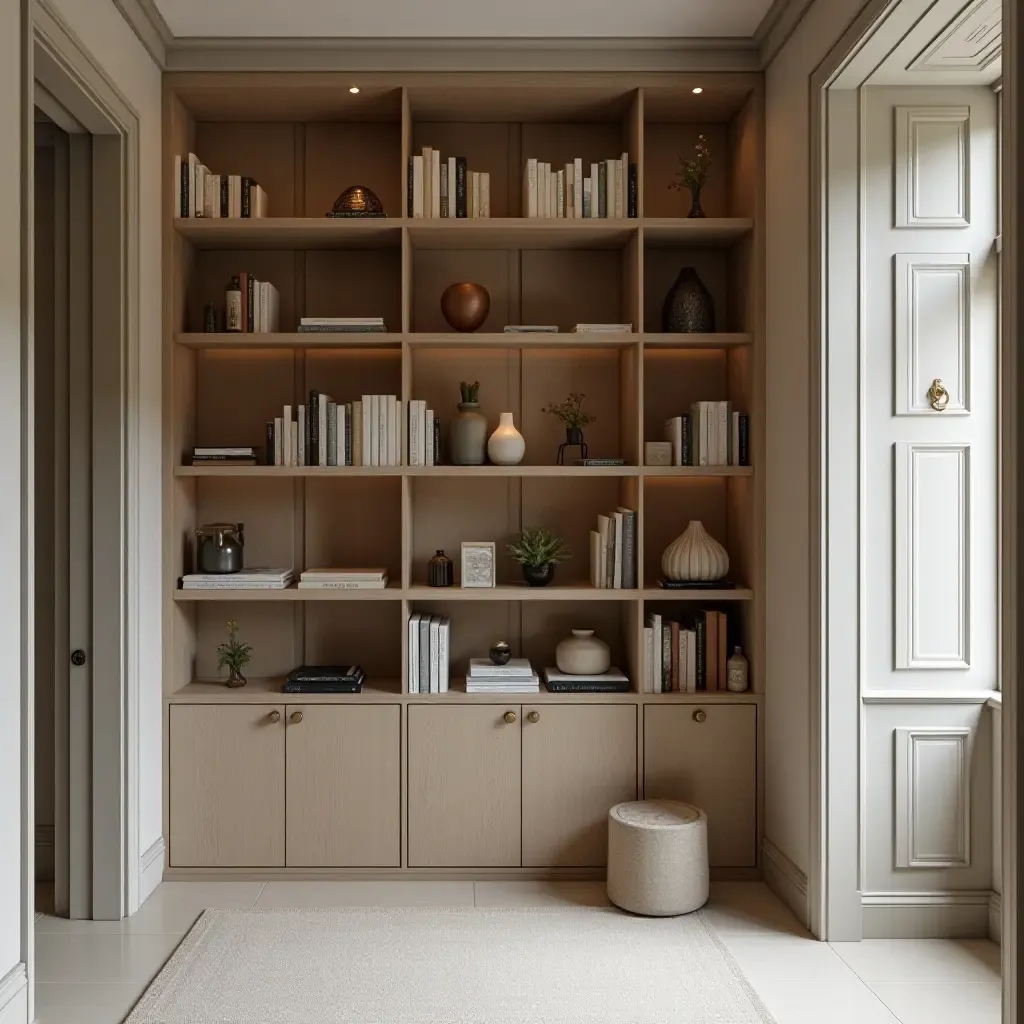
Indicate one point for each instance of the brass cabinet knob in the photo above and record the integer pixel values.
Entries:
(534, 716)
(510, 717)
(296, 717)
(700, 715)
(274, 716)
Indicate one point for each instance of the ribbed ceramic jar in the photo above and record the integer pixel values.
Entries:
(695, 556)
(506, 446)
(583, 654)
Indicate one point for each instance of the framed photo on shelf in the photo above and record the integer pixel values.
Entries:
(478, 567)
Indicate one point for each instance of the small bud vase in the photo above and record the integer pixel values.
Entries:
(506, 446)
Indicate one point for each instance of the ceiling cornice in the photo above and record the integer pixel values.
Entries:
(148, 24)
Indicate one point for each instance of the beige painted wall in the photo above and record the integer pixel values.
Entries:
(788, 427)
(113, 45)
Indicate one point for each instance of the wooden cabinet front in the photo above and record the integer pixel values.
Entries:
(464, 786)
(226, 786)
(578, 761)
(343, 786)
(707, 756)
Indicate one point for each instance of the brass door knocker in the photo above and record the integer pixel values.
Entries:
(938, 395)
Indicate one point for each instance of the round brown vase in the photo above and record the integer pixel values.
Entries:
(465, 306)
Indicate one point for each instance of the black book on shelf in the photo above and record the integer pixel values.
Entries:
(354, 686)
(320, 674)
(408, 190)
(225, 196)
(632, 197)
(461, 170)
(438, 453)
(270, 443)
(589, 686)
(185, 186)
(686, 456)
(696, 585)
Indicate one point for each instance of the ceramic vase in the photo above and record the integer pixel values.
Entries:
(465, 306)
(467, 437)
(440, 571)
(695, 556)
(688, 308)
(506, 446)
(583, 654)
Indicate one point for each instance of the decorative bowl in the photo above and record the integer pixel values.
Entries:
(465, 306)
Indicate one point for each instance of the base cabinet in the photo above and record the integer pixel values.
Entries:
(707, 756)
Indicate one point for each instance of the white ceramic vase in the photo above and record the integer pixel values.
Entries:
(695, 556)
(582, 654)
(506, 446)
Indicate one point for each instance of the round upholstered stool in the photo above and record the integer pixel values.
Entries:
(657, 857)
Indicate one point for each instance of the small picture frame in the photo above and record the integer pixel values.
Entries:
(478, 565)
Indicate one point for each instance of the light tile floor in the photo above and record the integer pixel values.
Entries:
(93, 972)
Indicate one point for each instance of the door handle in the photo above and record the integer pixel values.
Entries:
(78, 657)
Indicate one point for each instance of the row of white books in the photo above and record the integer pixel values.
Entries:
(711, 435)
(199, 193)
(424, 435)
(567, 192)
(247, 579)
(343, 579)
(516, 676)
(429, 653)
(445, 188)
(613, 548)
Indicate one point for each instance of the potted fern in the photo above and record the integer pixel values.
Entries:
(538, 551)
(234, 655)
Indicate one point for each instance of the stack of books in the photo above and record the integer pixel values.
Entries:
(711, 435)
(247, 579)
(517, 676)
(325, 679)
(603, 329)
(610, 190)
(612, 681)
(530, 329)
(261, 307)
(613, 548)
(445, 187)
(199, 193)
(367, 432)
(243, 455)
(686, 657)
(342, 325)
(424, 435)
(429, 653)
(343, 579)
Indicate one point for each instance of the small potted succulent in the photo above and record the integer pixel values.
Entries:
(538, 551)
(234, 655)
(571, 413)
(693, 175)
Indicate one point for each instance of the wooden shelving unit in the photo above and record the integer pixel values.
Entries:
(305, 139)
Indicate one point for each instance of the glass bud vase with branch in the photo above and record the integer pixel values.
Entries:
(234, 655)
(693, 175)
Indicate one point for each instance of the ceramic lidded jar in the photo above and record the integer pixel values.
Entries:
(583, 654)
(506, 446)
(695, 556)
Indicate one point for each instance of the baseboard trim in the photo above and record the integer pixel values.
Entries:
(12, 984)
(786, 880)
(944, 914)
(995, 918)
(151, 869)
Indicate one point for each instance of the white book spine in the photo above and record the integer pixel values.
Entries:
(443, 659)
(381, 416)
(394, 428)
(595, 190)
(429, 439)
(451, 188)
(435, 650)
(722, 411)
(294, 454)
(421, 414)
(414, 433)
(278, 441)
(475, 210)
(485, 194)
(412, 683)
(530, 188)
(321, 426)
(435, 183)
(286, 419)
(577, 177)
(560, 198)
(703, 444)
(711, 411)
(193, 163)
(339, 432)
(417, 187)
(366, 446)
(658, 648)
(428, 171)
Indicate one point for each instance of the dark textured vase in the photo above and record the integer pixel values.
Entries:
(539, 575)
(689, 308)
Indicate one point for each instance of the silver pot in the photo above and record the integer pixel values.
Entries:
(219, 548)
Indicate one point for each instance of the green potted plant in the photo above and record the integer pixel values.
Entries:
(572, 415)
(693, 174)
(234, 655)
(538, 551)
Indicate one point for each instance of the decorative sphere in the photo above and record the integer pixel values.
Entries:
(500, 653)
(465, 306)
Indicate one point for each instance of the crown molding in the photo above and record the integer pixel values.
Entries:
(777, 26)
(146, 21)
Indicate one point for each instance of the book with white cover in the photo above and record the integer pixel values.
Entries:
(254, 573)
(414, 432)
(617, 563)
(444, 654)
(613, 675)
(648, 659)
(429, 437)
(435, 183)
(424, 648)
(435, 651)
(343, 584)
(344, 574)
(502, 686)
(486, 669)
(530, 188)
(421, 414)
(367, 446)
(577, 177)
(723, 411)
(391, 428)
(226, 583)
(413, 684)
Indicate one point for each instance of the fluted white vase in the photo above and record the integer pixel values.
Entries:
(506, 446)
(695, 556)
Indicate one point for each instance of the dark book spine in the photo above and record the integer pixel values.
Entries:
(250, 303)
(700, 628)
(313, 429)
(666, 657)
(243, 281)
(686, 456)
(348, 434)
(324, 680)
(633, 195)
(743, 455)
(591, 687)
(185, 185)
(408, 190)
(628, 550)
(225, 197)
(602, 189)
(331, 688)
(247, 184)
(444, 188)
(270, 443)
(438, 454)
(460, 187)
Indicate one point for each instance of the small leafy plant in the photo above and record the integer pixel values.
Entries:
(570, 412)
(470, 392)
(537, 547)
(233, 654)
(693, 174)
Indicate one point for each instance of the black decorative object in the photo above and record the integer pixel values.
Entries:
(573, 439)
(210, 318)
(500, 653)
(357, 201)
(689, 308)
(539, 575)
(219, 548)
(440, 570)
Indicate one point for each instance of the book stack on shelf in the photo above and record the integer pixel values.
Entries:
(612, 681)
(241, 455)
(367, 432)
(253, 307)
(199, 193)
(603, 329)
(343, 579)
(609, 190)
(613, 549)
(247, 579)
(531, 329)
(424, 435)
(325, 679)
(516, 676)
(342, 325)
(429, 653)
(445, 187)
(711, 435)
(686, 657)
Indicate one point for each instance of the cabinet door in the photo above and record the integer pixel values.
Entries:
(344, 794)
(464, 786)
(578, 761)
(226, 786)
(712, 764)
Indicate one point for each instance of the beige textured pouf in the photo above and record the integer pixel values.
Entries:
(657, 857)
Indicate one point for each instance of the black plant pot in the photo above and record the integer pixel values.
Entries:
(688, 308)
(539, 575)
(574, 435)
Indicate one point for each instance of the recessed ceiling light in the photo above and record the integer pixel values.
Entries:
(354, 89)
(697, 90)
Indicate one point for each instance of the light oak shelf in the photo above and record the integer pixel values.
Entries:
(292, 593)
(471, 472)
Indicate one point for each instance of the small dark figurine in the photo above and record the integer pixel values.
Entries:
(500, 653)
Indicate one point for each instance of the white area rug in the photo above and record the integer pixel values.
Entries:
(449, 966)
